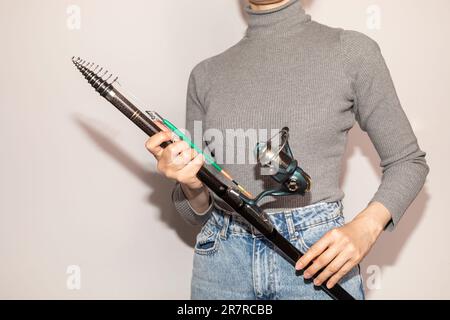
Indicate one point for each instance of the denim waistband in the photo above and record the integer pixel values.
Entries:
(287, 222)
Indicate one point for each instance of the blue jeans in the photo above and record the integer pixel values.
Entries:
(234, 261)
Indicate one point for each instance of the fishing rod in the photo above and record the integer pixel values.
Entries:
(166, 125)
(291, 178)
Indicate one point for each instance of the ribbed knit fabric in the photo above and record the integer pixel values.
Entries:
(291, 71)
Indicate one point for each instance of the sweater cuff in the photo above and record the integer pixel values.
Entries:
(184, 208)
(394, 209)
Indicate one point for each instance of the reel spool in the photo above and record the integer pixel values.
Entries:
(275, 157)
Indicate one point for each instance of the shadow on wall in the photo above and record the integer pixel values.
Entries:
(389, 245)
(160, 186)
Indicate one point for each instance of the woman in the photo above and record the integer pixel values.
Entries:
(291, 71)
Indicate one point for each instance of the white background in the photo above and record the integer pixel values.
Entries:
(77, 186)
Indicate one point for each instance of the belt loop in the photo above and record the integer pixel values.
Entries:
(226, 223)
(341, 205)
(290, 225)
(254, 231)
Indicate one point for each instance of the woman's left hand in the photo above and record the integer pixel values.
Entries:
(341, 249)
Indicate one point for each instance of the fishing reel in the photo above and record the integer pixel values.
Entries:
(276, 159)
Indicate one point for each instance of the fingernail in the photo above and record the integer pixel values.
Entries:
(299, 265)
(306, 275)
(329, 285)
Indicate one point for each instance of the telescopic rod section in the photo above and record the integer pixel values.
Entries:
(110, 89)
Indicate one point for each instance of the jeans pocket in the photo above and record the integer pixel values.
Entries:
(207, 241)
(310, 233)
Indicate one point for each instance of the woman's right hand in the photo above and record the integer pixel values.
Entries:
(178, 161)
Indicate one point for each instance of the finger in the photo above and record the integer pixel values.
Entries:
(321, 261)
(172, 151)
(332, 268)
(162, 126)
(189, 172)
(183, 158)
(313, 252)
(341, 273)
(153, 144)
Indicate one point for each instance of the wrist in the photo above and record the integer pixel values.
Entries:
(375, 217)
(198, 198)
(192, 190)
(371, 224)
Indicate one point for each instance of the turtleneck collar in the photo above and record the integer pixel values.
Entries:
(277, 21)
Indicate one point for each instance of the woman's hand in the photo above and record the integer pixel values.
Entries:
(178, 161)
(340, 249)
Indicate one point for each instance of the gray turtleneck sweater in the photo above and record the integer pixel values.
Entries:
(291, 71)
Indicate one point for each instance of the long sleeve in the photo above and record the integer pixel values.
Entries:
(194, 113)
(379, 113)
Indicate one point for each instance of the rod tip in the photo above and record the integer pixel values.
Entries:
(75, 59)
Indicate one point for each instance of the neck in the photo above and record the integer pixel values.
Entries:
(262, 7)
(285, 18)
